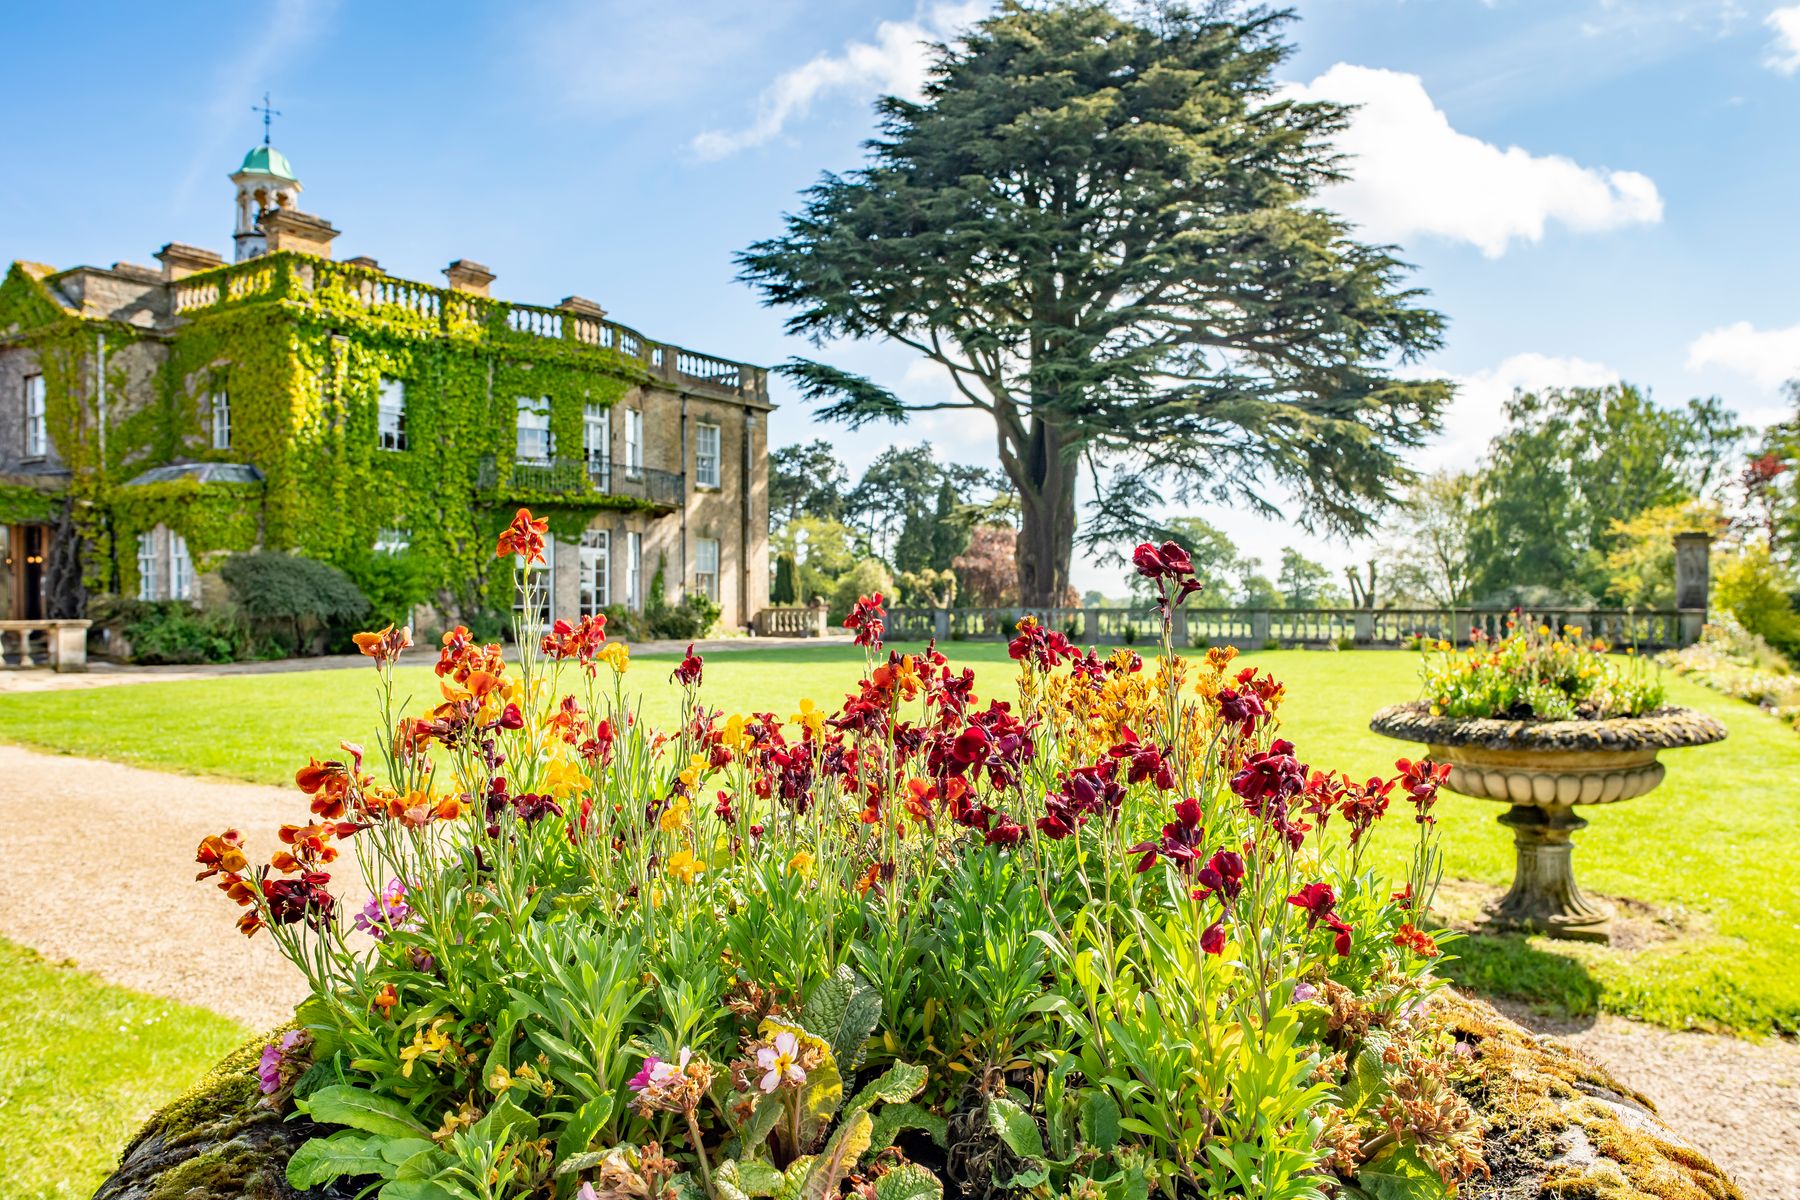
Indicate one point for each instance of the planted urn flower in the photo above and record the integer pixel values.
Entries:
(1546, 722)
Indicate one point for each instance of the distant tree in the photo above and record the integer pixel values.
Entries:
(1093, 598)
(898, 489)
(1569, 463)
(1103, 223)
(1256, 590)
(1302, 581)
(950, 523)
(986, 569)
(787, 582)
(1425, 554)
(822, 552)
(807, 480)
(1362, 587)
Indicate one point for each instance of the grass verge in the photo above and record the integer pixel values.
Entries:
(82, 1064)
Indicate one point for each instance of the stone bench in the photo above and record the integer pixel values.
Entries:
(59, 645)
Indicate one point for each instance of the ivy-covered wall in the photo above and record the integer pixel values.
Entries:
(302, 361)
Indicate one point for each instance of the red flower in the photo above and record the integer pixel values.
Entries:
(1243, 709)
(1212, 938)
(1421, 780)
(1318, 901)
(524, 537)
(1223, 875)
(688, 673)
(869, 620)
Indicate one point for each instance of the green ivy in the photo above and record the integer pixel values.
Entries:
(302, 367)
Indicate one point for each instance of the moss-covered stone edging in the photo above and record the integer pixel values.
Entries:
(1558, 1128)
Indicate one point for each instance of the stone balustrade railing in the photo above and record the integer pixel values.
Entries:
(59, 645)
(812, 621)
(1251, 628)
(303, 279)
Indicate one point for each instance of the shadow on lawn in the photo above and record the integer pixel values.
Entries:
(1513, 967)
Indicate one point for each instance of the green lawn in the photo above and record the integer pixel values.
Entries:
(82, 1064)
(1713, 851)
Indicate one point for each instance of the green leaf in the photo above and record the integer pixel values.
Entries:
(1100, 1120)
(1016, 1127)
(843, 1012)
(414, 1189)
(894, 1117)
(579, 1131)
(1028, 1178)
(898, 1083)
(758, 1178)
(838, 1158)
(761, 1123)
(579, 1162)
(341, 1104)
(1400, 1174)
(909, 1181)
(346, 1152)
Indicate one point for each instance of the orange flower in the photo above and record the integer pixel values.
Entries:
(221, 854)
(524, 537)
(385, 1001)
(383, 645)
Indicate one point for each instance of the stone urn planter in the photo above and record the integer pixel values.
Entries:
(1545, 770)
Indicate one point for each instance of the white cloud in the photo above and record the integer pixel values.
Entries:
(894, 63)
(1478, 412)
(1770, 357)
(1784, 51)
(1412, 173)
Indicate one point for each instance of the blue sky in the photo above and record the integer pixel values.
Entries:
(1590, 189)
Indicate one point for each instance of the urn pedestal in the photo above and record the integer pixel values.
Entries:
(1544, 770)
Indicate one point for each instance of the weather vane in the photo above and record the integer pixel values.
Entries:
(267, 114)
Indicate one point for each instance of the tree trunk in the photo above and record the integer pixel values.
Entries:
(1046, 483)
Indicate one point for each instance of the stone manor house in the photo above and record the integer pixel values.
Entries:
(156, 420)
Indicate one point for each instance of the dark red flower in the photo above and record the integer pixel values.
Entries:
(1317, 900)
(868, 619)
(1212, 938)
(1223, 875)
(688, 673)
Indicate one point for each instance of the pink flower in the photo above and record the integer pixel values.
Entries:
(779, 1062)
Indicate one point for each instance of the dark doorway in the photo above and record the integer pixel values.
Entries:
(27, 552)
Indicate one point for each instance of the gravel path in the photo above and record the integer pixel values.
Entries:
(95, 867)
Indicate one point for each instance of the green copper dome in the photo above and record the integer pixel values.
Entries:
(268, 160)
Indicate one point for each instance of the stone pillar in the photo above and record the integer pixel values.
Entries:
(1544, 896)
(1178, 631)
(1692, 582)
(940, 624)
(68, 645)
(1363, 621)
(1259, 628)
(821, 618)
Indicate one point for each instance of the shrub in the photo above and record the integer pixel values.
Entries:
(1096, 941)
(1753, 589)
(693, 618)
(174, 631)
(393, 584)
(301, 603)
(867, 577)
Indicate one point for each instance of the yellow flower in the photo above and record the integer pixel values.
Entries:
(685, 867)
(675, 817)
(563, 779)
(733, 736)
(616, 656)
(801, 864)
(425, 1041)
(811, 716)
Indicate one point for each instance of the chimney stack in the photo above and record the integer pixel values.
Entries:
(470, 277)
(179, 260)
(289, 229)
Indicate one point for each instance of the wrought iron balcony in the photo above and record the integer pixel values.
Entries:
(574, 476)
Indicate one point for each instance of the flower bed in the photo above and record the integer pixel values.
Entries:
(1107, 937)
